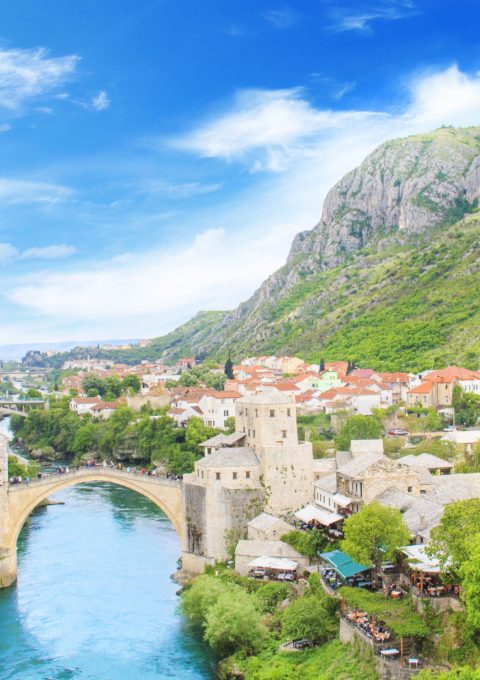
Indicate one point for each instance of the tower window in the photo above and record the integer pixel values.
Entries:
(247, 474)
(288, 412)
(256, 413)
(234, 475)
(217, 475)
(272, 413)
(284, 434)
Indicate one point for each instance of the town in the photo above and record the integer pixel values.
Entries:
(297, 453)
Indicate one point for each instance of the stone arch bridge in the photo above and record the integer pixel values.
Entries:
(17, 501)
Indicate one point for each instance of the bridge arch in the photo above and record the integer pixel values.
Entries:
(23, 499)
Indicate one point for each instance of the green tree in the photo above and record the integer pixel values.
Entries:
(197, 432)
(228, 369)
(93, 386)
(470, 575)
(131, 383)
(358, 427)
(322, 365)
(233, 624)
(84, 441)
(197, 599)
(374, 534)
(450, 539)
(306, 618)
(270, 595)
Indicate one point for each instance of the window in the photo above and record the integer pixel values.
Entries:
(217, 475)
(256, 413)
(409, 489)
(226, 414)
(246, 411)
(272, 413)
(253, 434)
(288, 412)
(234, 475)
(202, 474)
(247, 474)
(284, 434)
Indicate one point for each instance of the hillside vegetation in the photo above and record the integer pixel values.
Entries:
(388, 277)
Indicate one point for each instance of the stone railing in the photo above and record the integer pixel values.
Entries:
(98, 471)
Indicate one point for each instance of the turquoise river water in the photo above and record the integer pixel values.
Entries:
(94, 599)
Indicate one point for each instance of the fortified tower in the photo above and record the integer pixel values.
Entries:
(269, 421)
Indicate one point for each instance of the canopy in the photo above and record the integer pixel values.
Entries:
(343, 563)
(342, 500)
(419, 560)
(282, 563)
(311, 512)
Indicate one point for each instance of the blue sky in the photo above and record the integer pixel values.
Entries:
(159, 156)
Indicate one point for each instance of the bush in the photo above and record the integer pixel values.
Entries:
(270, 595)
(308, 543)
(306, 618)
(233, 624)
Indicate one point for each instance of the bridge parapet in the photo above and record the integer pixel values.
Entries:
(95, 472)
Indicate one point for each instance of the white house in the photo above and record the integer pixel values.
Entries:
(217, 406)
(83, 405)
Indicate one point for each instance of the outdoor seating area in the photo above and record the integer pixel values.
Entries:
(424, 575)
(312, 517)
(340, 570)
(273, 569)
(374, 630)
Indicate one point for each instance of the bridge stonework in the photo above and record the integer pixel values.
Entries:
(19, 500)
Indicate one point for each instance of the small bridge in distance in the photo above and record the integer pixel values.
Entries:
(19, 407)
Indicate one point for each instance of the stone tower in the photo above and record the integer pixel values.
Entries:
(269, 421)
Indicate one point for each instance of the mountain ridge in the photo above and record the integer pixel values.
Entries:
(388, 214)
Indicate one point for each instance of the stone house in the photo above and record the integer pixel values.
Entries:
(267, 527)
(246, 551)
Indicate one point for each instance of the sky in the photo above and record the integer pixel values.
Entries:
(158, 156)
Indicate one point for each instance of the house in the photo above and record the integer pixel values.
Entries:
(73, 382)
(320, 382)
(104, 409)
(444, 380)
(399, 383)
(435, 465)
(247, 551)
(217, 406)
(465, 438)
(421, 395)
(83, 405)
(291, 365)
(265, 527)
(187, 363)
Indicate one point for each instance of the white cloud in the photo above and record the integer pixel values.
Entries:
(18, 191)
(53, 252)
(7, 252)
(270, 120)
(244, 238)
(282, 18)
(362, 17)
(101, 101)
(29, 73)
(180, 191)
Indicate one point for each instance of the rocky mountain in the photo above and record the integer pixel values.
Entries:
(389, 275)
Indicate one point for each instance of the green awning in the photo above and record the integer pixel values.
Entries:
(343, 563)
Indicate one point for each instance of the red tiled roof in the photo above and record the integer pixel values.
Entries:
(423, 388)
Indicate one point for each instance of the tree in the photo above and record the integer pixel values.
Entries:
(234, 624)
(470, 575)
(270, 595)
(228, 370)
(198, 432)
(450, 539)
(306, 618)
(358, 427)
(197, 599)
(131, 383)
(374, 534)
(322, 365)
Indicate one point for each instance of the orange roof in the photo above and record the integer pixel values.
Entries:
(423, 388)
(284, 386)
(395, 377)
(450, 374)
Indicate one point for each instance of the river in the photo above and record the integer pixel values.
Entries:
(94, 599)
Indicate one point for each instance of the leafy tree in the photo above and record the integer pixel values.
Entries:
(470, 575)
(228, 370)
(270, 595)
(358, 427)
(308, 543)
(233, 624)
(32, 393)
(230, 424)
(131, 383)
(16, 469)
(84, 439)
(306, 618)
(450, 539)
(374, 534)
(198, 432)
(93, 386)
(197, 599)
